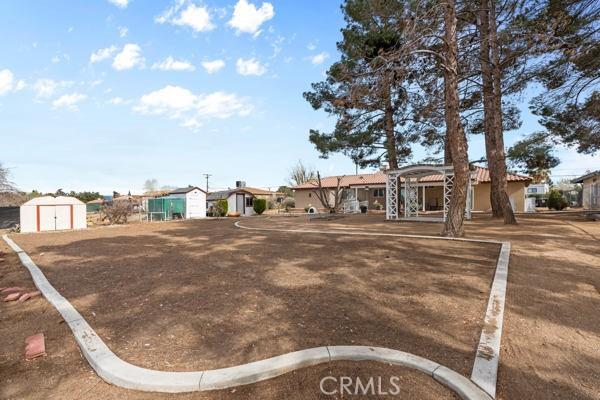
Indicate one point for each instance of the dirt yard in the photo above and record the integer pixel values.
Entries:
(203, 294)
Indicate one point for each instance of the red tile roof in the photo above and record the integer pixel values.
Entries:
(481, 175)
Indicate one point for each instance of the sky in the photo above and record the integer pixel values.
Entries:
(102, 95)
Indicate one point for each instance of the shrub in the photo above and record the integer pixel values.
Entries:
(116, 212)
(288, 202)
(259, 206)
(220, 208)
(556, 201)
(377, 205)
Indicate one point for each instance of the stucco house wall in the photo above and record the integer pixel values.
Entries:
(516, 193)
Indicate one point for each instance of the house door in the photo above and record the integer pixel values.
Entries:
(240, 204)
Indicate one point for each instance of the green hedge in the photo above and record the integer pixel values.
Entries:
(259, 205)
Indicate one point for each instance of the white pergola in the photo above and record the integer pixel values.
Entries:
(412, 175)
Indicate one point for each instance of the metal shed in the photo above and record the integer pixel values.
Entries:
(49, 213)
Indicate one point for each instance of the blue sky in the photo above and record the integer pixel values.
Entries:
(102, 95)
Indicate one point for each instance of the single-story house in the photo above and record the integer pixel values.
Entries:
(591, 190)
(370, 190)
(195, 201)
(241, 199)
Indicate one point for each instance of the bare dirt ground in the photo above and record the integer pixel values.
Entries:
(551, 334)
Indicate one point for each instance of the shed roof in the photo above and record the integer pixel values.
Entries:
(586, 176)
(52, 201)
(481, 175)
(185, 190)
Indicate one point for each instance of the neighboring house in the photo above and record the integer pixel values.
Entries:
(195, 201)
(538, 189)
(591, 190)
(241, 199)
(369, 189)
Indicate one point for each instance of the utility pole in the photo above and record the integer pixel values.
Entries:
(207, 176)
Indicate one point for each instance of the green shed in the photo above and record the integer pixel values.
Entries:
(165, 208)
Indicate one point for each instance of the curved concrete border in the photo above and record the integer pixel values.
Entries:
(121, 373)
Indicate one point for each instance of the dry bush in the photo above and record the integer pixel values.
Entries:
(116, 212)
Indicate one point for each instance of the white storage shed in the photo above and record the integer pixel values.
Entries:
(49, 213)
(195, 201)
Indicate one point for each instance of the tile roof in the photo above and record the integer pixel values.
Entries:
(481, 175)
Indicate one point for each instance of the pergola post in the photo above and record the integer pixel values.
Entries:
(424, 198)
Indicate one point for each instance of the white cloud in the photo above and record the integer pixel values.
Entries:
(103, 54)
(171, 100)
(250, 66)
(6, 81)
(171, 64)
(248, 19)
(117, 101)
(185, 13)
(175, 102)
(122, 31)
(120, 3)
(311, 46)
(223, 105)
(20, 85)
(129, 57)
(69, 101)
(44, 87)
(213, 66)
(318, 59)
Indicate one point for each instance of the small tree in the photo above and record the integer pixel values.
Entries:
(323, 194)
(556, 201)
(300, 174)
(220, 208)
(259, 206)
(288, 202)
(5, 184)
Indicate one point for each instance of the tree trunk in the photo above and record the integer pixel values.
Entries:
(498, 175)
(390, 137)
(455, 134)
(488, 102)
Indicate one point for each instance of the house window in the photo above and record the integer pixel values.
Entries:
(532, 190)
(249, 201)
(379, 192)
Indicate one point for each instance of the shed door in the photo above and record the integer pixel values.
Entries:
(63, 217)
(47, 218)
(239, 204)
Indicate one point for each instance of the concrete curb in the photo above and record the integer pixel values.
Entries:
(485, 368)
(114, 370)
